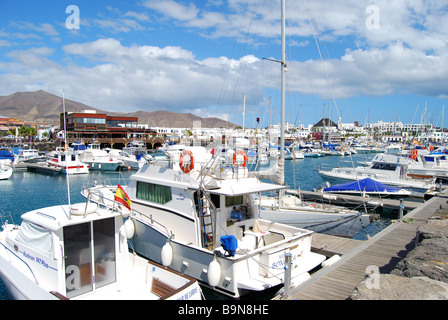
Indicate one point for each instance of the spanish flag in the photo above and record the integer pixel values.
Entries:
(122, 197)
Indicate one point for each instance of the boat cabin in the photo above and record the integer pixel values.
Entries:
(198, 216)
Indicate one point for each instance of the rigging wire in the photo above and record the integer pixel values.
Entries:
(320, 55)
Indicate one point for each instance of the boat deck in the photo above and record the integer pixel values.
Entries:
(383, 250)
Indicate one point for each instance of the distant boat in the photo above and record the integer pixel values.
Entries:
(68, 161)
(6, 167)
(388, 169)
(369, 187)
(98, 159)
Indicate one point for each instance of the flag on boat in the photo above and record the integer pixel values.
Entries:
(122, 197)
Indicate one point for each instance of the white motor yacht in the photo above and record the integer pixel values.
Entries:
(80, 252)
(185, 221)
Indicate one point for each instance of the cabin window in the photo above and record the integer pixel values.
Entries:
(81, 275)
(104, 251)
(153, 192)
(384, 166)
(234, 201)
(216, 200)
(78, 258)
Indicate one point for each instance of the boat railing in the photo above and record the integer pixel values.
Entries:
(324, 167)
(4, 216)
(153, 221)
(120, 179)
(98, 198)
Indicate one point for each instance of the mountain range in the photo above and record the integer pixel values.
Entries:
(42, 106)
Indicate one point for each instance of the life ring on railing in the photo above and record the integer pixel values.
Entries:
(414, 154)
(239, 153)
(186, 169)
(431, 148)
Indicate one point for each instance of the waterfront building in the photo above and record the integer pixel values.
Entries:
(92, 125)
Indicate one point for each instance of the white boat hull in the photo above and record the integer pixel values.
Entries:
(104, 166)
(239, 274)
(5, 174)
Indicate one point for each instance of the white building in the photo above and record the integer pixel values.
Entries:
(382, 126)
(418, 127)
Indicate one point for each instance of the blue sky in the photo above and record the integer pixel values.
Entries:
(381, 60)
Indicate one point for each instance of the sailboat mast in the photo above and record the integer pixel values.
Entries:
(244, 112)
(283, 66)
(281, 160)
(65, 147)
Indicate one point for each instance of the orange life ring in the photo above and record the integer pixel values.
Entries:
(431, 148)
(238, 153)
(186, 169)
(414, 154)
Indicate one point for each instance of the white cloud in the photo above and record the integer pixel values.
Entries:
(407, 54)
(4, 43)
(395, 69)
(129, 78)
(173, 9)
(137, 15)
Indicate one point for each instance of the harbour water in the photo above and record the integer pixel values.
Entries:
(26, 191)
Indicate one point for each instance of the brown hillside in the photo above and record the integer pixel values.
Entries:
(42, 106)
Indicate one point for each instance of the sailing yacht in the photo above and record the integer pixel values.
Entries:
(288, 209)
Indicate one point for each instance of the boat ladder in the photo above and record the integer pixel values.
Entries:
(207, 229)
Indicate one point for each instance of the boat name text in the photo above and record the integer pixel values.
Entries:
(36, 259)
(280, 263)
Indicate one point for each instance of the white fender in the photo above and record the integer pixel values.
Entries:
(330, 261)
(167, 254)
(214, 273)
(129, 227)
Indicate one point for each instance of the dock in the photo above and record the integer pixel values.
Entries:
(354, 201)
(384, 250)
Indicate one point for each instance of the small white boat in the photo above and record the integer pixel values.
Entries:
(296, 153)
(98, 159)
(367, 187)
(81, 252)
(6, 169)
(6, 163)
(68, 161)
(387, 169)
(29, 155)
(132, 156)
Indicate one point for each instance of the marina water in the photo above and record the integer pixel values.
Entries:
(26, 191)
